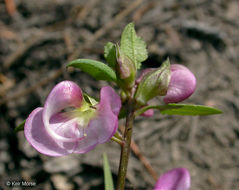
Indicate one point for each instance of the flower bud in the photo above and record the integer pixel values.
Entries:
(125, 69)
(175, 179)
(182, 84)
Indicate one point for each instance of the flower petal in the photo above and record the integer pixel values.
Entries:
(38, 137)
(182, 84)
(175, 179)
(104, 125)
(108, 95)
(109, 108)
(88, 142)
(63, 95)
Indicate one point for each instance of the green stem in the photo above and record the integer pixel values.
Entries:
(119, 141)
(125, 147)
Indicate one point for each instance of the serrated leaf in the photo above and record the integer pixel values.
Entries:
(110, 54)
(133, 46)
(154, 83)
(109, 185)
(96, 69)
(20, 127)
(181, 109)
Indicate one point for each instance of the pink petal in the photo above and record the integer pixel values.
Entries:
(88, 142)
(109, 108)
(108, 95)
(175, 179)
(38, 137)
(63, 95)
(182, 84)
(104, 125)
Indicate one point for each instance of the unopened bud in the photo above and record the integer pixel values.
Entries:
(125, 69)
(182, 84)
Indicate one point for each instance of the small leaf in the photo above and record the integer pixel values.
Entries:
(110, 54)
(109, 185)
(181, 109)
(96, 69)
(20, 127)
(133, 46)
(154, 83)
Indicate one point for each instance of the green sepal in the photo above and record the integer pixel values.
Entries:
(181, 109)
(110, 54)
(133, 46)
(108, 180)
(125, 69)
(96, 69)
(20, 127)
(154, 83)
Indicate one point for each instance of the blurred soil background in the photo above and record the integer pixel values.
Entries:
(38, 38)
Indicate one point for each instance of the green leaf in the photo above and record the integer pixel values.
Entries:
(109, 185)
(110, 54)
(133, 46)
(96, 69)
(20, 127)
(154, 83)
(186, 109)
(181, 109)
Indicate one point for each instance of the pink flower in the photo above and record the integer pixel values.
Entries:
(55, 133)
(182, 84)
(175, 179)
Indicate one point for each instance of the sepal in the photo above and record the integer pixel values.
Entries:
(154, 83)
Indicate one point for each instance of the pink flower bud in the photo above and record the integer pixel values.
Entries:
(182, 84)
(125, 69)
(148, 113)
(175, 179)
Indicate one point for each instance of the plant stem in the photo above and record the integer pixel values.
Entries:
(125, 147)
(119, 141)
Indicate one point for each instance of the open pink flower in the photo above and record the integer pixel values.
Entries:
(182, 84)
(54, 133)
(175, 179)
